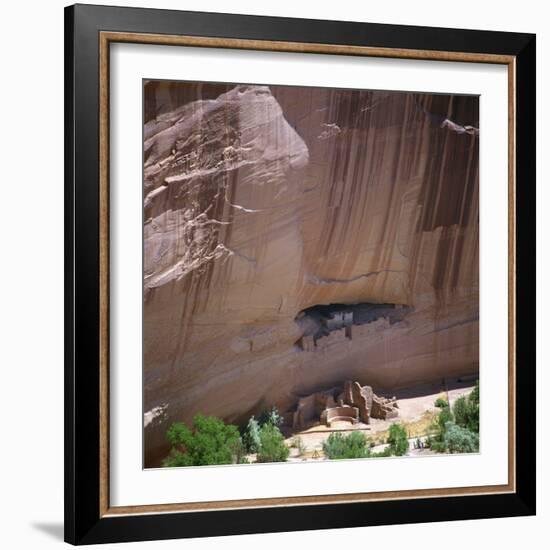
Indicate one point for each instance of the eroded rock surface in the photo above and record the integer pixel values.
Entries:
(261, 202)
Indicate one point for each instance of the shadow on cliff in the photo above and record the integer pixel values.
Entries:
(421, 390)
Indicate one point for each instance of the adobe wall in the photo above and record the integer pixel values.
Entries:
(338, 413)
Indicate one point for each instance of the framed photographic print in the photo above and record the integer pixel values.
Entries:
(299, 274)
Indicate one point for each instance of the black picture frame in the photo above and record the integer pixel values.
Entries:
(84, 523)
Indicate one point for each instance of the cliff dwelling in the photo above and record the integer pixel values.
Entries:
(337, 321)
(351, 403)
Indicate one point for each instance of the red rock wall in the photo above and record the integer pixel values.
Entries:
(261, 202)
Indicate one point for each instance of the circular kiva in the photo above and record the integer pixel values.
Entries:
(336, 419)
(341, 414)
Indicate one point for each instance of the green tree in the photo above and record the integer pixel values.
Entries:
(436, 442)
(458, 431)
(474, 396)
(460, 440)
(441, 421)
(466, 411)
(339, 446)
(270, 416)
(397, 438)
(251, 436)
(272, 445)
(210, 441)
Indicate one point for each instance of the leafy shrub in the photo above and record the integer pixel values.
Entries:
(397, 439)
(251, 436)
(458, 431)
(466, 411)
(340, 446)
(474, 396)
(461, 410)
(460, 440)
(210, 441)
(441, 403)
(429, 441)
(270, 416)
(436, 442)
(437, 445)
(272, 445)
(298, 443)
(381, 454)
(442, 419)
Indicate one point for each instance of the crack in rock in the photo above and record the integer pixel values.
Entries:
(233, 252)
(314, 279)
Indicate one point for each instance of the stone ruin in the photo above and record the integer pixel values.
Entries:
(384, 408)
(369, 404)
(338, 320)
(325, 325)
(311, 407)
(339, 414)
(355, 403)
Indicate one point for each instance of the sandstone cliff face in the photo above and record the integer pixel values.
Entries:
(261, 202)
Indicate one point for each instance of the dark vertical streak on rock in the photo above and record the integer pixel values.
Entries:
(263, 201)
